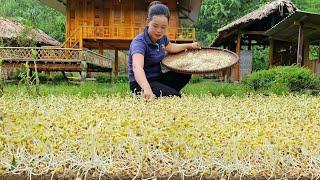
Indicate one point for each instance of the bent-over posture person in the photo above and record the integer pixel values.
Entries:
(146, 52)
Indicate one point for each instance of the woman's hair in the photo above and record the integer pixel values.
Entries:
(157, 8)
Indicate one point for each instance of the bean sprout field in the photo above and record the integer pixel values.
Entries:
(191, 137)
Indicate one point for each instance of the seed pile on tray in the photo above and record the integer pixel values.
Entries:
(206, 136)
(203, 60)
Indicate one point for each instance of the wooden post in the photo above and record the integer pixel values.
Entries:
(67, 33)
(81, 38)
(116, 62)
(229, 74)
(271, 50)
(300, 45)
(237, 66)
(305, 60)
(319, 53)
(194, 34)
(101, 47)
(83, 65)
(271, 43)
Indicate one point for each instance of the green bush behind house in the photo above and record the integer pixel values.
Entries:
(282, 79)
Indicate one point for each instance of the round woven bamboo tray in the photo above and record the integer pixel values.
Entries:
(203, 61)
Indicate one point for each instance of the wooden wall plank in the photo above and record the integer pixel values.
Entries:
(115, 19)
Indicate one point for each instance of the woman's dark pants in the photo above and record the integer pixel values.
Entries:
(169, 84)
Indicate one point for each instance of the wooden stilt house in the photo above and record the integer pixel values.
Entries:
(112, 24)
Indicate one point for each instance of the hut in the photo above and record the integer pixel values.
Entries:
(250, 29)
(11, 30)
(112, 24)
(302, 30)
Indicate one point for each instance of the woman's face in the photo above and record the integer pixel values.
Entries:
(158, 26)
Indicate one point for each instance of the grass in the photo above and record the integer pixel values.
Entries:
(106, 89)
(216, 88)
(83, 90)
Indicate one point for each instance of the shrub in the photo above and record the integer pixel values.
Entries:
(102, 78)
(58, 78)
(282, 78)
(121, 79)
(196, 79)
(43, 77)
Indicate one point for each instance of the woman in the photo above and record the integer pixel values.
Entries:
(146, 52)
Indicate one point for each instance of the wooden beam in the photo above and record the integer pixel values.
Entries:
(238, 50)
(311, 42)
(310, 32)
(300, 46)
(255, 33)
(295, 23)
(313, 26)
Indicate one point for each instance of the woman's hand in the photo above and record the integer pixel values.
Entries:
(195, 45)
(148, 94)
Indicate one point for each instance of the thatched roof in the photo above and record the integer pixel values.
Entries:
(257, 15)
(11, 30)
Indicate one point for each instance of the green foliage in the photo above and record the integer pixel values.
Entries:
(260, 58)
(216, 89)
(282, 79)
(84, 89)
(25, 38)
(103, 78)
(120, 79)
(26, 78)
(314, 52)
(196, 79)
(308, 5)
(58, 78)
(43, 78)
(13, 163)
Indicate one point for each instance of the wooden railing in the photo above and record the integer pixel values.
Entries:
(97, 59)
(54, 55)
(46, 54)
(73, 39)
(128, 33)
(122, 33)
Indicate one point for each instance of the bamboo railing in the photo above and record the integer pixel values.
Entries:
(128, 33)
(53, 55)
